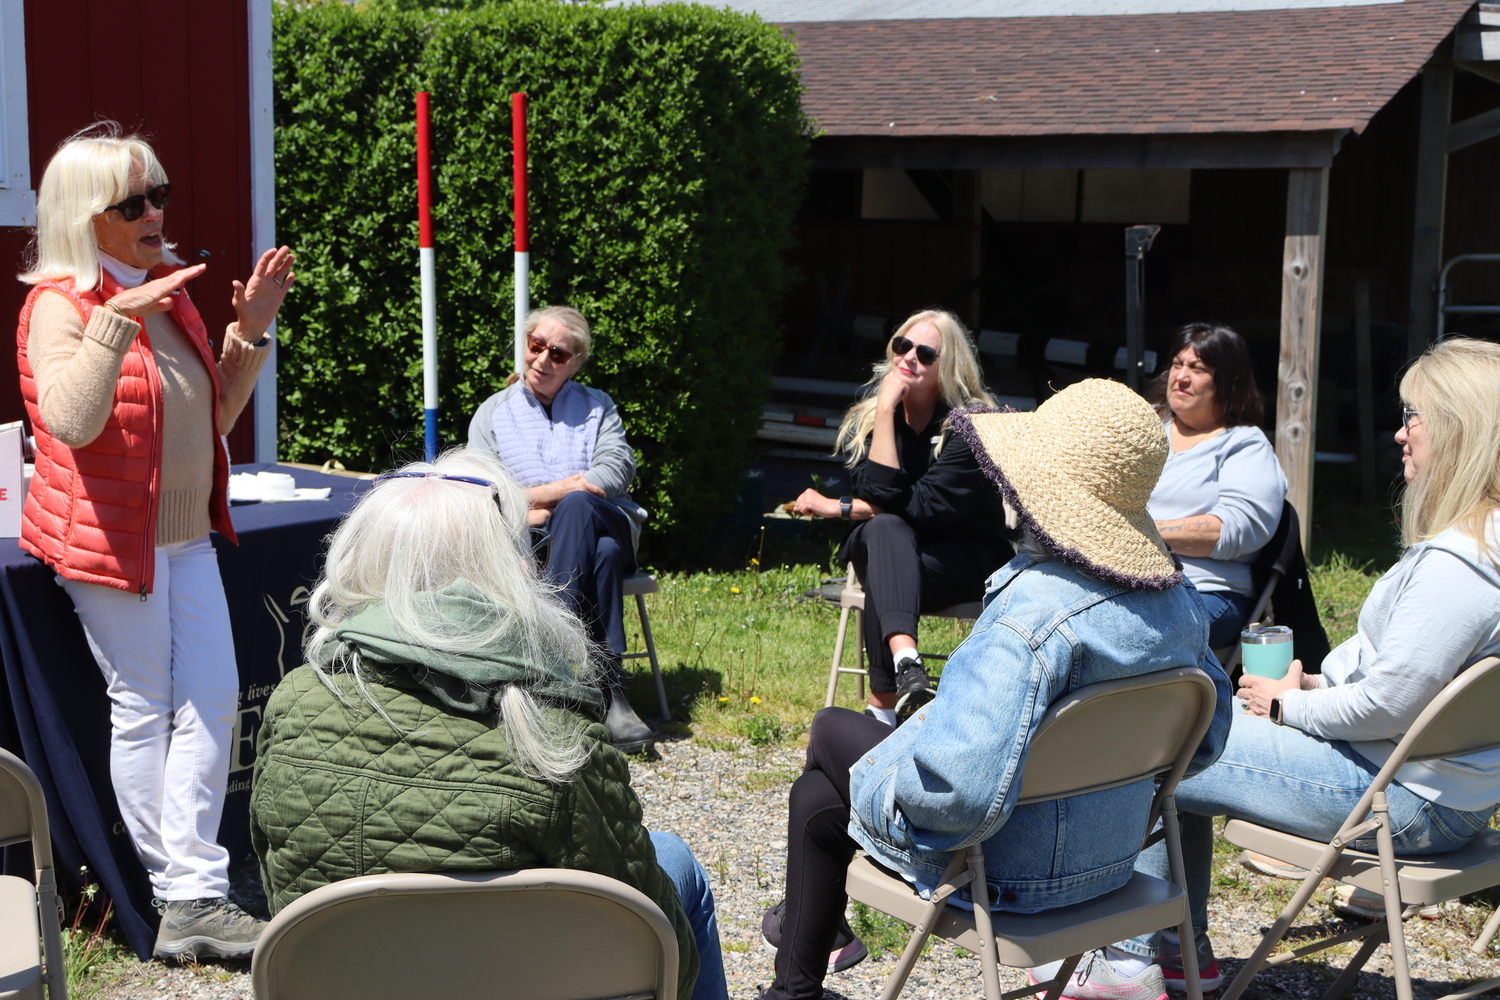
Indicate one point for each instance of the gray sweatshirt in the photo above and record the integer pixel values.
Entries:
(1235, 477)
(1437, 610)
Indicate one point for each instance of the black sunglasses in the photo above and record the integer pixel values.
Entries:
(134, 207)
(452, 479)
(536, 345)
(902, 345)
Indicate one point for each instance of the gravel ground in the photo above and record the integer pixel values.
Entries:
(728, 801)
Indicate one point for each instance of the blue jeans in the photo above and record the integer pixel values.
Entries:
(1228, 614)
(676, 859)
(1282, 777)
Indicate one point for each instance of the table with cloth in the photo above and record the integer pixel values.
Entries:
(54, 710)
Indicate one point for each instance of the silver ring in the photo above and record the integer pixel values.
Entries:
(280, 282)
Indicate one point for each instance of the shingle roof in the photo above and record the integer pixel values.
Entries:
(1243, 71)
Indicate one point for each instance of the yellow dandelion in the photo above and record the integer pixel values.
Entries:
(734, 590)
(754, 700)
(724, 700)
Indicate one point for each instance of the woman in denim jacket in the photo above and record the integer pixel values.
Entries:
(1094, 595)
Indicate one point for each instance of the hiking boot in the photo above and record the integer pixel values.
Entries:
(913, 690)
(1096, 979)
(197, 928)
(848, 950)
(626, 730)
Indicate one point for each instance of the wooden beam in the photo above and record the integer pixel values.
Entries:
(1432, 192)
(1301, 322)
(1466, 133)
(1364, 387)
(1208, 150)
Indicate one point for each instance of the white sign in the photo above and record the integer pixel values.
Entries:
(12, 486)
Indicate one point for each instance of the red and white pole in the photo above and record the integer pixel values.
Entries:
(427, 265)
(523, 235)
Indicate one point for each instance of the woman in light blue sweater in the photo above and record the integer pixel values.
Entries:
(1302, 750)
(1219, 498)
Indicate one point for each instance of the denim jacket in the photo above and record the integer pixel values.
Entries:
(948, 778)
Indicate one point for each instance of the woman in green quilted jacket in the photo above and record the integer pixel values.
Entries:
(444, 720)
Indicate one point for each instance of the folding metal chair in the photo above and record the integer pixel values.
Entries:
(1100, 736)
(31, 953)
(1460, 720)
(851, 598)
(494, 935)
(1281, 560)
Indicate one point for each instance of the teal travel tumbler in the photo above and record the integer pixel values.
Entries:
(1266, 650)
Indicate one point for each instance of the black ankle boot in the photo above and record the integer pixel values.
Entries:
(626, 730)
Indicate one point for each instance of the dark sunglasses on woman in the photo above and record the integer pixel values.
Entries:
(134, 207)
(536, 345)
(902, 345)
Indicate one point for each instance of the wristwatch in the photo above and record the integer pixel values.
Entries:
(846, 507)
(1275, 711)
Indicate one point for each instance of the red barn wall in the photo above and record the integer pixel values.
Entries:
(178, 72)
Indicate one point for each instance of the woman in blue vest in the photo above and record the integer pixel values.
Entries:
(564, 443)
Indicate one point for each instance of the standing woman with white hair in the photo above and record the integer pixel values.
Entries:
(128, 403)
(932, 528)
(445, 720)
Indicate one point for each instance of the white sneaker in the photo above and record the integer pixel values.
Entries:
(1096, 979)
(1368, 905)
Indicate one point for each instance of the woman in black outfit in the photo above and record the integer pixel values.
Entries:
(932, 526)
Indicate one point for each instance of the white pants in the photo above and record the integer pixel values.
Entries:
(173, 690)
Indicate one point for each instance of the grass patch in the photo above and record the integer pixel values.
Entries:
(882, 932)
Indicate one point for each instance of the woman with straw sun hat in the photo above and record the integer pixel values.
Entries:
(1093, 595)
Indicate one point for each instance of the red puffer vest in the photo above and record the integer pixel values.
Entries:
(90, 513)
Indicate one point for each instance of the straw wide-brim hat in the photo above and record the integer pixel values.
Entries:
(1079, 471)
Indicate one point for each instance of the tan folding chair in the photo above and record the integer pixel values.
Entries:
(1100, 736)
(489, 935)
(31, 953)
(638, 585)
(852, 599)
(1460, 720)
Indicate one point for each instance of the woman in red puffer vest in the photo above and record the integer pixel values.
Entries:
(128, 404)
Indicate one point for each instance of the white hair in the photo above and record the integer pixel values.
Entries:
(405, 541)
(89, 171)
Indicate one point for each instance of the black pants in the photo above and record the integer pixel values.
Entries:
(904, 576)
(590, 557)
(819, 850)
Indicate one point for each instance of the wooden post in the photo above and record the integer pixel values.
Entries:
(1432, 193)
(1301, 321)
(1365, 389)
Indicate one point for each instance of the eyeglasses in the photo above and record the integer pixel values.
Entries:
(492, 487)
(134, 207)
(536, 345)
(903, 345)
(1406, 414)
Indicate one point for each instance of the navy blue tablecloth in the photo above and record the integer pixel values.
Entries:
(54, 711)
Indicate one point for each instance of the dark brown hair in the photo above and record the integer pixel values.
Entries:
(1225, 354)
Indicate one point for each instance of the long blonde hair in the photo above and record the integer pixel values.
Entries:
(90, 170)
(1456, 388)
(958, 374)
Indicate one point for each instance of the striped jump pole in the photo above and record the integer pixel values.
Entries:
(523, 235)
(429, 293)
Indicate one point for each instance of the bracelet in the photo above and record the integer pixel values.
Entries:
(113, 307)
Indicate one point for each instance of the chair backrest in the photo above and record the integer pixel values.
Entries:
(1461, 719)
(23, 809)
(537, 934)
(1117, 732)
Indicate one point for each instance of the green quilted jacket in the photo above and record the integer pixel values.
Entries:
(339, 793)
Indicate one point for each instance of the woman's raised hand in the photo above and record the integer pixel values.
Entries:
(893, 389)
(256, 301)
(154, 296)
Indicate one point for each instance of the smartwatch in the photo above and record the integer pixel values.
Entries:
(846, 507)
(1275, 711)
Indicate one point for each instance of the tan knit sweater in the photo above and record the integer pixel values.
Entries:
(76, 368)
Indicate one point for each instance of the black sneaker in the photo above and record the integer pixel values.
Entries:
(212, 926)
(848, 950)
(913, 690)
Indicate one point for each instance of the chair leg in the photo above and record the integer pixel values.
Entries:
(979, 889)
(838, 658)
(1186, 936)
(661, 691)
(922, 931)
(1400, 971)
(859, 650)
(1488, 934)
(1346, 978)
(50, 914)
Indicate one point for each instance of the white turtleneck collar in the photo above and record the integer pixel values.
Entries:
(127, 276)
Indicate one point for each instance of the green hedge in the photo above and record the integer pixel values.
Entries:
(668, 157)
